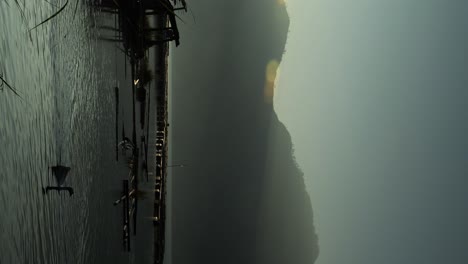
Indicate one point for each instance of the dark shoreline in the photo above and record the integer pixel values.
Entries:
(161, 95)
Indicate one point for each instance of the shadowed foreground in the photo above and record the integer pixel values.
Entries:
(244, 199)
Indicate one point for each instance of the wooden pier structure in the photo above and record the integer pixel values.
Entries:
(140, 25)
(135, 33)
(129, 200)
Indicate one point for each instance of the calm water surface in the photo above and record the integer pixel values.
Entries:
(65, 77)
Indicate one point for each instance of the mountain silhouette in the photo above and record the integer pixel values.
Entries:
(243, 197)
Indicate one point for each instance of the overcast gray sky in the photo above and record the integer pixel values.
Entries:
(374, 95)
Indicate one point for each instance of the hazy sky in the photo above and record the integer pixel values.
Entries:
(374, 95)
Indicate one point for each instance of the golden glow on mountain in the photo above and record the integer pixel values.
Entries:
(270, 77)
(281, 2)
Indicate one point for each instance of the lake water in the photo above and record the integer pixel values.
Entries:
(66, 79)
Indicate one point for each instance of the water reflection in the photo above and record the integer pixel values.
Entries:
(62, 73)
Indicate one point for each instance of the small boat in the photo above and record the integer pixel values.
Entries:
(60, 173)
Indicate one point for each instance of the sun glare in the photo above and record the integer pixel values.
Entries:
(270, 77)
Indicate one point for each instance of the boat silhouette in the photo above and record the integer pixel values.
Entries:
(60, 173)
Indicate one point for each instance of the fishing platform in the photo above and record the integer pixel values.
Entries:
(139, 26)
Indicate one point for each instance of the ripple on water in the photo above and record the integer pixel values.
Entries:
(61, 78)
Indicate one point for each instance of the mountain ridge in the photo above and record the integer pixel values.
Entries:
(245, 199)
